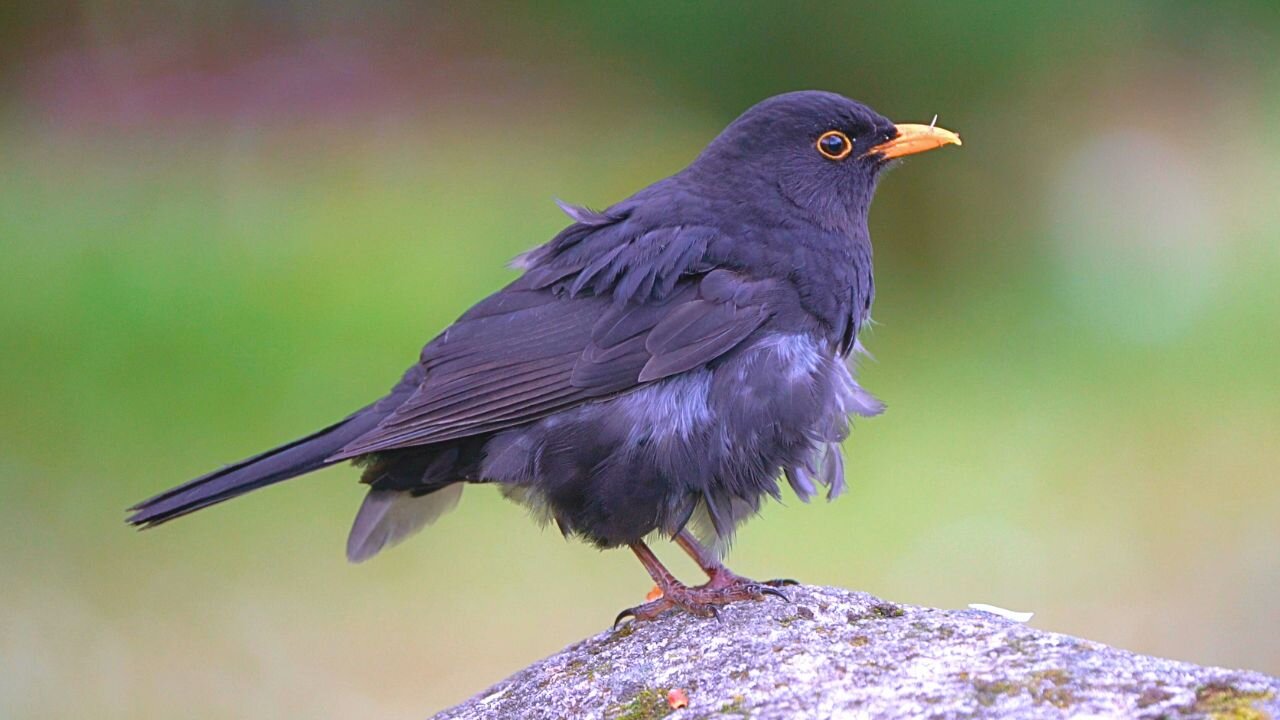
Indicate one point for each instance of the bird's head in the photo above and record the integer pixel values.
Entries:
(821, 151)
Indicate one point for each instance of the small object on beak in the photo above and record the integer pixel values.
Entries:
(912, 139)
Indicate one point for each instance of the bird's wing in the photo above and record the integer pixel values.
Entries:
(526, 353)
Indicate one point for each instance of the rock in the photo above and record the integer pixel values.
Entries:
(832, 653)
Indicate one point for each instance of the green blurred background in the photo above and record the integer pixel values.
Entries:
(222, 227)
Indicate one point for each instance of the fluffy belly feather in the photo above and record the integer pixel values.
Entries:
(703, 447)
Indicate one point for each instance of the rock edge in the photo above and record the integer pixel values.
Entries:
(833, 653)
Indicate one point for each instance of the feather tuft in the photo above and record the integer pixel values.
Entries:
(387, 517)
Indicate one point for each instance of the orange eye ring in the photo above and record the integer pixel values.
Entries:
(834, 145)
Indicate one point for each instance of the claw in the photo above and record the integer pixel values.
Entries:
(781, 582)
(715, 613)
(628, 613)
(768, 590)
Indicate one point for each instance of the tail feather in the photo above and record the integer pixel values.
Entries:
(287, 461)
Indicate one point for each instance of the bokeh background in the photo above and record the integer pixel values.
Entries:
(225, 224)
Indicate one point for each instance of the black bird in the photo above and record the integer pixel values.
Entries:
(658, 366)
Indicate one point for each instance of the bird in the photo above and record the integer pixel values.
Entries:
(655, 370)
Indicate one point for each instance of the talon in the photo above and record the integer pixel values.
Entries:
(715, 613)
(782, 582)
(767, 590)
(628, 613)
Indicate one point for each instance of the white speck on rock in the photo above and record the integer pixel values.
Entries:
(1013, 615)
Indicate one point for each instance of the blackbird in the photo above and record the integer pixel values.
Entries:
(657, 367)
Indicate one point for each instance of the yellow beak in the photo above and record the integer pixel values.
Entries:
(914, 139)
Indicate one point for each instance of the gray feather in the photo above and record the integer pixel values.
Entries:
(388, 516)
(800, 483)
(833, 471)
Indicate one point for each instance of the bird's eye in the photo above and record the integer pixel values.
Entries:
(834, 145)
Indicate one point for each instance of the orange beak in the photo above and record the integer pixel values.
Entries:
(914, 139)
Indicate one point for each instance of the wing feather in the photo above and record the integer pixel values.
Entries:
(512, 361)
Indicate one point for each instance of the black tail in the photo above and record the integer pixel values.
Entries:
(273, 466)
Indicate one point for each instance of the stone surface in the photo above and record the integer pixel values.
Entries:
(833, 653)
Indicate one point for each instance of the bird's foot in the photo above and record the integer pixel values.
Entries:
(704, 600)
(723, 578)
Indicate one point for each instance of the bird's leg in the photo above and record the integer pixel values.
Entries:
(674, 593)
(721, 577)
(723, 587)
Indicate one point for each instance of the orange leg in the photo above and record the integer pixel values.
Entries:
(720, 576)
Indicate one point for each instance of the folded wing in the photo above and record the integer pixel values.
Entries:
(526, 353)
